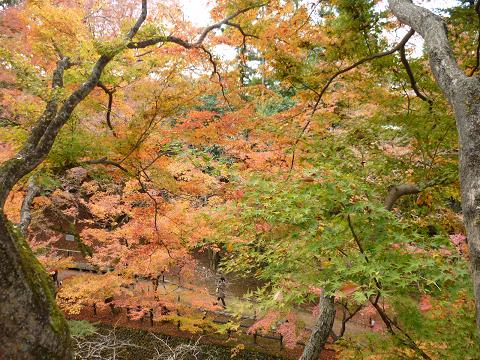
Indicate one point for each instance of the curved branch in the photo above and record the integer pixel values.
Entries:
(413, 82)
(215, 72)
(143, 15)
(110, 93)
(155, 204)
(397, 191)
(434, 31)
(201, 38)
(345, 318)
(399, 46)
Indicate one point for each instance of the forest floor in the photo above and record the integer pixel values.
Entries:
(237, 307)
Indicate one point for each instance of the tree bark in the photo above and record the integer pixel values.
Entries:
(463, 93)
(321, 330)
(25, 215)
(31, 325)
(397, 191)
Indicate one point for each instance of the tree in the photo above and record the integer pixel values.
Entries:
(26, 293)
(29, 314)
(288, 228)
(462, 92)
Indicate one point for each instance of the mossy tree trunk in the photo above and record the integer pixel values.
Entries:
(31, 325)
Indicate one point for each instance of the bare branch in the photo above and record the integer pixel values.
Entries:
(385, 318)
(434, 31)
(345, 319)
(140, 20)
(201, 38)
(215, 72)
(355, 237)
(399, 46)
(155, 204)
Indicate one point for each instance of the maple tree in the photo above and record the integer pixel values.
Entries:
(280, 210)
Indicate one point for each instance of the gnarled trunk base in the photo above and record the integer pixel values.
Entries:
(31, 325)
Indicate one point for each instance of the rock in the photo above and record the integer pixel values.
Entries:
(76, 175)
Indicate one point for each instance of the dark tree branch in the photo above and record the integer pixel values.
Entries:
(201, 38)
(360, 248)
(346, 318)
(355, 237)
(413, 82)
(398, 191)
(399, 46)
(155, 204)
(391, 324)
(199, 43)
(244, 41)
(144, 135)
(143, 15)
(434, 31)
(110, 93)
(244, 34)
(388, 322)
(215, 72)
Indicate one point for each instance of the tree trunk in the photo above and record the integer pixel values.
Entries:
(321, 330)
(31, 325)
(25, 214)
(463, 93)
(467, 113)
